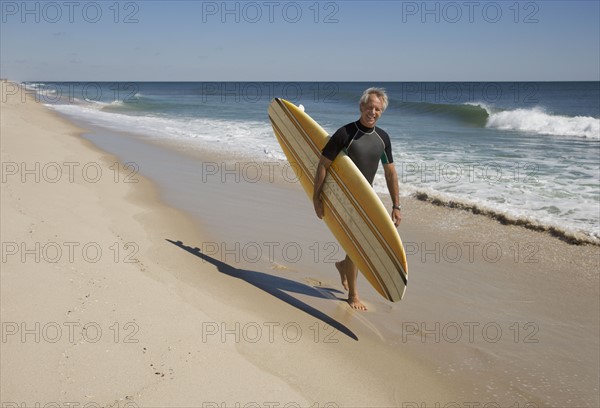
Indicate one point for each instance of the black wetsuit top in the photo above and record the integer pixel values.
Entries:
(365, 146)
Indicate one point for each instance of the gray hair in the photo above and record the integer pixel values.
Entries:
(380, 92)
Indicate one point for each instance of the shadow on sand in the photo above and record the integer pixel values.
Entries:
(275, 286)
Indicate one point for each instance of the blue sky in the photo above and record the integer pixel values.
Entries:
(300, 40)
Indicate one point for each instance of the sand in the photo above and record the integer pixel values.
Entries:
(157, 284)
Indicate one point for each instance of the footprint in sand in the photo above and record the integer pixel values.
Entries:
(279, 267)
(313, 282)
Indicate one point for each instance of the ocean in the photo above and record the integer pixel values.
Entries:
(529, 151)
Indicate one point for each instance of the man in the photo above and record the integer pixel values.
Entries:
(366, 145)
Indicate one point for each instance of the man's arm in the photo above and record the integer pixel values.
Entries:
(320, 175)
(391, 179)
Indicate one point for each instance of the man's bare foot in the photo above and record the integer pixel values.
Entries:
(355, 303)
(338, 265)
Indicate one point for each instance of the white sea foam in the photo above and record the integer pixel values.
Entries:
(539, 201)
(536, 120)
(242, 137)
(40, 88)
(32, 85)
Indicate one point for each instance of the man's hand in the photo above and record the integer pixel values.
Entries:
(396, 216)
(391, 179)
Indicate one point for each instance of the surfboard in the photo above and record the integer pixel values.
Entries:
(353, 211)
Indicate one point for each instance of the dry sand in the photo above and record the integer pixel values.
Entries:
(111, 296)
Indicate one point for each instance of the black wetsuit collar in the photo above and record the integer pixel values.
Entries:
(363, 128)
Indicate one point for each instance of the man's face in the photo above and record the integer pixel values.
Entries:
(371, 111)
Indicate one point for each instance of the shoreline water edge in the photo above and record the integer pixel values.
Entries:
(152, 272)
(523, 153)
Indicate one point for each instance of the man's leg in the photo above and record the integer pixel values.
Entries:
(349, 274)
